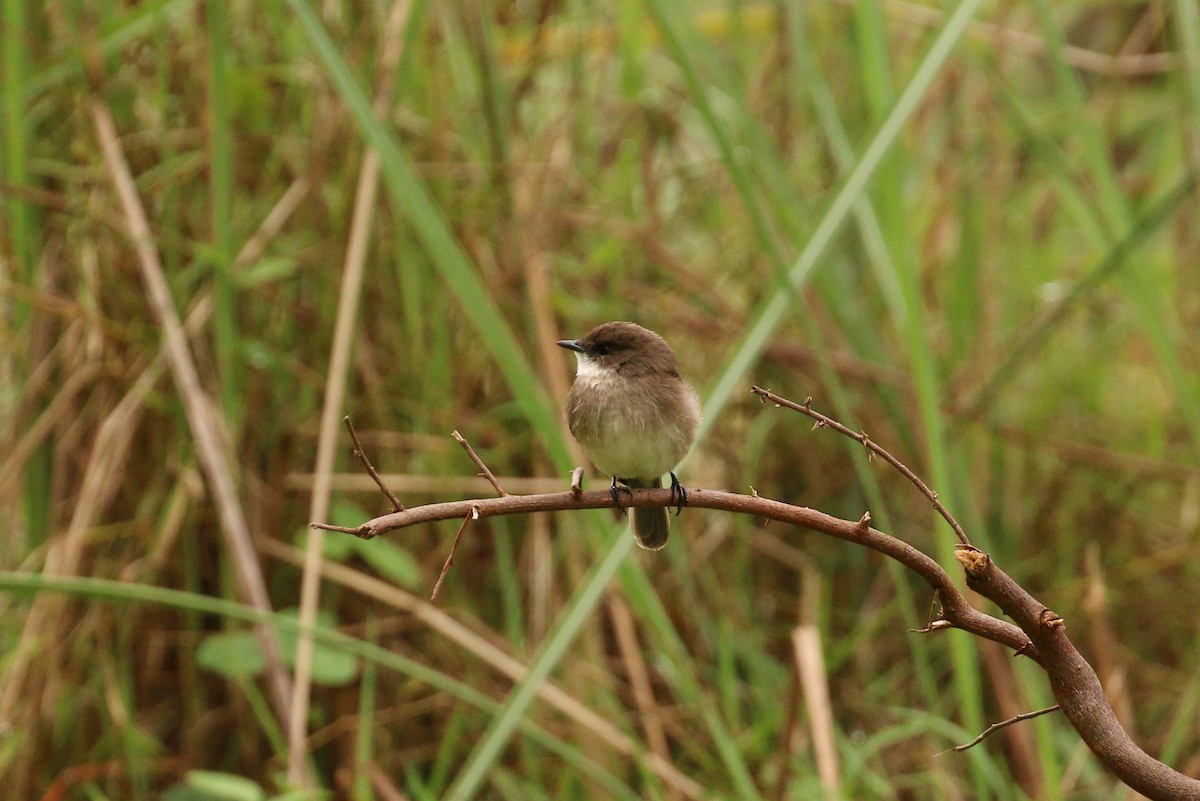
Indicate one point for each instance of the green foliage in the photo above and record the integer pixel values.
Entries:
(233, 654)
(237, 655)
(976, 246)
(211, 786)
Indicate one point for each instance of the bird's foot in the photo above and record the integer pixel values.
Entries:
(678, 495)
(615, 491)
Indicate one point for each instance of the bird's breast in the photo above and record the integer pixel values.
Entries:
(632, 428)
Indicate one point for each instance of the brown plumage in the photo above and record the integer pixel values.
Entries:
(633, 414)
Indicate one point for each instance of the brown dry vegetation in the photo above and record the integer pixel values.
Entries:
(1011, 305)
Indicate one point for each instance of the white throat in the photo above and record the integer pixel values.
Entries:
(588, 369)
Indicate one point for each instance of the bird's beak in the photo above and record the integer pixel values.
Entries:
(570, 344)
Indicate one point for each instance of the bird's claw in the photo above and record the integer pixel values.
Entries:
(678, 495)
(615, 491)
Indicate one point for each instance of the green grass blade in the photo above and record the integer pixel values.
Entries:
(414, 200)
(474, 773)
(94, 589)
(766, 319)
(142, 20)
(220, 154)
(15, 92)
(1116, 220)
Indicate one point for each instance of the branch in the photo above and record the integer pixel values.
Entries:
(861, 436)
(995, 727)
(1038, 633)
(361, 455)
(485, 471)
(955, 609)
(471, 515)
(1075, 684)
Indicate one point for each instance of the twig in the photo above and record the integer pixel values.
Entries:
(577, 481)
(471, 515)
(479, 463)
(997, 726)
(828, 422)
(361, 455)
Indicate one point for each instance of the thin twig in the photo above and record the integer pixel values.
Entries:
(997, 726)
(479, 463)
(471, 515)
(828, 422)
(341, 529)
(361, 455)
(577, 481)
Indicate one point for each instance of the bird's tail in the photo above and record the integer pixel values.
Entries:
(650, 524)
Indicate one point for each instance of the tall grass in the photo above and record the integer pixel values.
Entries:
(964, 229)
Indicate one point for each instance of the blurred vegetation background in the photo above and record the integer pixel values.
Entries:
(967, 228)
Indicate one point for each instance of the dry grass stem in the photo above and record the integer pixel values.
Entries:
(485, 649)
(639, 680)
(810, 667)
(345, 329)
(216, 463)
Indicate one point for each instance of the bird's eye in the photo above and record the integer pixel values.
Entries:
(601, 350)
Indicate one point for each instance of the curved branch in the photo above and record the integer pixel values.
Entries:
(874, 448)
(1038, 634)
(956, 612)
(1075, 684)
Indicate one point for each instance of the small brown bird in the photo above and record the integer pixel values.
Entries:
(633, 414)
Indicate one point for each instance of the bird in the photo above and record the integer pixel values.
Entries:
(633, 415)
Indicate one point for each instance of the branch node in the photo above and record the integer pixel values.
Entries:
(974, 561)
(864, 522)
(577, 482)
(1049, 620)
(356, 531)
(934, 626)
